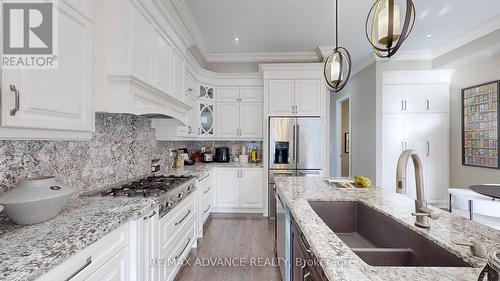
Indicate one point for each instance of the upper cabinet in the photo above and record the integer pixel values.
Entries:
(239, 94)
(207, 92)
(294, 97)
(139, 70)
(54, 104)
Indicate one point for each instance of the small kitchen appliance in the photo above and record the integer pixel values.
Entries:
(207, 157)
(222, 154)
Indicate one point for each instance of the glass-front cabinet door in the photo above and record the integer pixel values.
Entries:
(207, 119)
(207, 92)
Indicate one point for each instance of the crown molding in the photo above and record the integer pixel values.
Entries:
(408, 56)
(276, 57)
(467, 37)
(192, 27)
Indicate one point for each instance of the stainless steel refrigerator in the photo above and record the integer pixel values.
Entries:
(295, 149)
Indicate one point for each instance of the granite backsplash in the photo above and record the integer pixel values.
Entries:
(121, 148)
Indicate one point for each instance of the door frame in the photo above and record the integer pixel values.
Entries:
(338, 127)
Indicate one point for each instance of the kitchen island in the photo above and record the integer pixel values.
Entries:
(339, 262)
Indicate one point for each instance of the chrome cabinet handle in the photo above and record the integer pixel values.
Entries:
(183, 249)
(304, 278)
(402, 105)
(303, 244)
(179, 222)
(428, 104)
(16, 100)
(207, 208)
(428, 148)
(206, 191)
(405, 105)
(150, 216)
(87, 263)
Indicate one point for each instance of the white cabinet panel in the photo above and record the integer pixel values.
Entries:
(251, 120)
(438, 98)
(251, 188)
(177, 74)
(228, 122)
(190, 83)
(251, 94)
(394, 98)
(227, 193)
(162, 62)
(228, 94)
(60, 99)
(394, 143)
(281, 97)
(308, 97)
(116, 269)
(141, 43)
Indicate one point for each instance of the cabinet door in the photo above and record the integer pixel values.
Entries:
(416, 125)
(227, 194)
(60, 99)
(394, 97)
(228, 94)
(147, 246)
(251, 188)
(251, 94)
(436, 158)
(281, 97)
(394, 143)
(228, 122)
(251, 120)
(438, 98)
(116, 269)
(206, 119)
(308, 97)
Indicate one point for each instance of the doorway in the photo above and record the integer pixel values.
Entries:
(344, 135)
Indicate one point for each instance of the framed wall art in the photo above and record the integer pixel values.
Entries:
(480, 126)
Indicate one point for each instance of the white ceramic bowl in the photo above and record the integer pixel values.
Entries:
(35, 200)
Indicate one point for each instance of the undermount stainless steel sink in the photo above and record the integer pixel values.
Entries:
(378, 239)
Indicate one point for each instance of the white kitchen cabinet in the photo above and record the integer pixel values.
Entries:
(251, 115)
(228, 94)
(294, 97)
(251, 194)
(308, 97)
(139, 69)
(239, 94)
(416, 117)
(206, 119)
(54, 103)
(239, 120)
(228, 120)
(227, 193)
(251, 94)
(144, 234)
(116, 269)
(281, 97)
(207, 92)
(238, 190)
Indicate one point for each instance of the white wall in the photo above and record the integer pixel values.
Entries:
(361, 89)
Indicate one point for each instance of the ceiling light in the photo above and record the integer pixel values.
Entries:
(391, 22)
(428, 35)
(337, 68)
(236, 39)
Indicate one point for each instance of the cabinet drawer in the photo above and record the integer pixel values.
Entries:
(90, 259)
(171, 223)
(177, 250)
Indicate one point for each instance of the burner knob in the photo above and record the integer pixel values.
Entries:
(190, 188)
(180, 195)
(169, 203)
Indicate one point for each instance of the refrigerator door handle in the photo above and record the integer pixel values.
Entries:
(294, 142)
(297, 144)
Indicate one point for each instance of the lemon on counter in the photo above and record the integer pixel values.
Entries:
(363, 181)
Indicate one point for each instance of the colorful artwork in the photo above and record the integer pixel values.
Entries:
(480, 125)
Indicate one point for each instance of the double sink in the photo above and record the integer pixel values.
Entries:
(380, 240)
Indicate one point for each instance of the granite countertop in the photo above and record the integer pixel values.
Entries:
(27, 252)
(338, 260)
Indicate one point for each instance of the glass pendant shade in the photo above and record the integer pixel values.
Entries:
(387, 27)
(337, 69)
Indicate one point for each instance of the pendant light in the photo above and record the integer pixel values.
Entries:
(337, 67)
(386, 35)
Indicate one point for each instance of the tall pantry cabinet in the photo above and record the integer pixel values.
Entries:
(416, 116)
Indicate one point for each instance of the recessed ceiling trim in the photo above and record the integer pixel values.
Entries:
(265, 57)
(467, 37)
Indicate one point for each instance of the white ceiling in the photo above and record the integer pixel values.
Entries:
(274, 26)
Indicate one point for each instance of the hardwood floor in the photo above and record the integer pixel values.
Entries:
(234, 247)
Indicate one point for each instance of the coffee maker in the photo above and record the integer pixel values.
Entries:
(222, 155)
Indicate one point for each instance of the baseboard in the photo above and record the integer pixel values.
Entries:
(237, 210)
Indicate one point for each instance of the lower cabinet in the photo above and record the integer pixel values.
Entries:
(239, 189)
(304, 265)
(117, 268)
